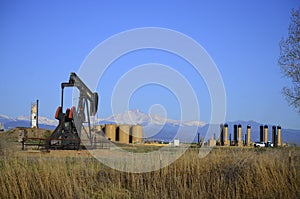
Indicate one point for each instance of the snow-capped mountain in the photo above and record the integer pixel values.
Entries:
(24, 121)
(4, 117)
(156, 126)
(137, 117)
(159, 128)
(42, 120)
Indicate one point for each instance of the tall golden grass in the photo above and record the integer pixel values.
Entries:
(224, 173)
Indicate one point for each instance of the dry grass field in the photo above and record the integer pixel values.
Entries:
(224, 173)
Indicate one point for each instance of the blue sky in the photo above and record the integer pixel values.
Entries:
(43, 41)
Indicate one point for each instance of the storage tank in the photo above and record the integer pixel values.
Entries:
(123, 133)
(265, 133)
(261, 133)
(222, 134)
(274, 140)
(248, 140)
(235, 135)
(110, 131)
(240, 139)
(212, 142)
(97, 128)
(137, 134)
(226, 142)
(279, 140)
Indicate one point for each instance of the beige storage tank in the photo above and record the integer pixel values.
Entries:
(137, 134)
(211, 142)
(248, 135)
(279, 140)
(226, 142)
(265, 133)
(240, 140)
(97, 128)
(110, 131)
(123, 133)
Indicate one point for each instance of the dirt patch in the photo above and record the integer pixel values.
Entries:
(54, 153)
(14, 134)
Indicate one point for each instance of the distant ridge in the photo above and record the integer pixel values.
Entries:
(137, 117)
(157, 127)
(24, 121)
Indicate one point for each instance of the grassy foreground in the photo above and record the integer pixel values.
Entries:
(224, 173)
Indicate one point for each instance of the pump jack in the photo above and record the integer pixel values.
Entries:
(67, 135)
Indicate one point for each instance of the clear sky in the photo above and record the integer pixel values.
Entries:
(43, 41)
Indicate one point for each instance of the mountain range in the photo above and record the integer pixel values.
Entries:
(24, 121)
(137, 117)
(156, 127)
